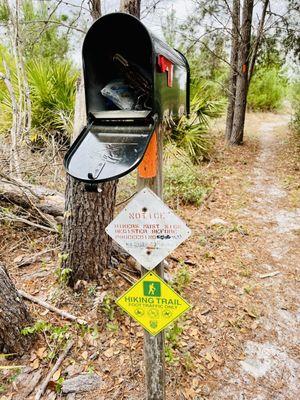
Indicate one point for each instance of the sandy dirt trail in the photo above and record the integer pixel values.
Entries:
(270, 369)
(240, 340)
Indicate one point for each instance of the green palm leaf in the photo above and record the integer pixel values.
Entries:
(192, 134)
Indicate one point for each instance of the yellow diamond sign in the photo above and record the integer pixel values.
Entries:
(152, 303)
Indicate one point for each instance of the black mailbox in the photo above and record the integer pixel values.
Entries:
(132, 82)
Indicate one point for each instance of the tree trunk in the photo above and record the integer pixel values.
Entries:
(86, 246)
(13, 317)
(258, 40)
(237, 133)
(16, 115)
(95, 9)
(20, 95)
(132, 7)
(235, 32)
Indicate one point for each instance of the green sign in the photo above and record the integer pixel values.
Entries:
(152, 289)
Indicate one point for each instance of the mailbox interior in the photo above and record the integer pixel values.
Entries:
(114, 34)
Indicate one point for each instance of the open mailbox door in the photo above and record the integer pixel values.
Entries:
(110, 146)
(133, 81)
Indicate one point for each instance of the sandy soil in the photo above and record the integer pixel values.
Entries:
(270, 369)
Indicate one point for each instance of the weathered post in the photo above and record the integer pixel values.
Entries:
(154, 353)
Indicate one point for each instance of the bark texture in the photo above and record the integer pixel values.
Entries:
(95, 9)
(85, 241)
(132, 7)
(237, 133)
(235, 31)
(14, 316)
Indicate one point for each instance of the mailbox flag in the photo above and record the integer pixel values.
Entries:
(166, 66)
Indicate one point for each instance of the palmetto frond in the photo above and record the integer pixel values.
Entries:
(52, 94)
(192, 134)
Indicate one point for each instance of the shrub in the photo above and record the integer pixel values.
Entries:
(47, 43)
(295, 99)
(52, 94)
(267, 89)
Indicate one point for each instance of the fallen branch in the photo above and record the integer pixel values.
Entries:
(42, 303)
(17, 182)
(45, 217)
(269, 275)
(25, 195)
(125, 276)
(187, 262)
(60, 359)
(31, 385)
(28, 260)
(8, 216)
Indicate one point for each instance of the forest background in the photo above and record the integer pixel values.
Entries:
(40, 67)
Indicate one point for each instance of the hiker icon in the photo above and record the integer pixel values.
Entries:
(152, 289)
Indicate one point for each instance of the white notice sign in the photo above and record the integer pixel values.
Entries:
(148, 229)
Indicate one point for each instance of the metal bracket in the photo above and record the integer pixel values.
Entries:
(92, 188)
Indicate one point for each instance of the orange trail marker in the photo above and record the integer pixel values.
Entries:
(148, 167)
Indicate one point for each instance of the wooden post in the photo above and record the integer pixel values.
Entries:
(154, 353)
(150, 175)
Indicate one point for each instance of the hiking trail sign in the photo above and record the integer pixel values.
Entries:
(148, 229)
(152, 303)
